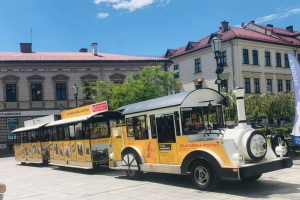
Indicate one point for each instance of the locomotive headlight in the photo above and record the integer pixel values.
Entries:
(238, 159)
(112, 156)
(280, 150)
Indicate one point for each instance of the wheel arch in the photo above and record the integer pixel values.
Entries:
(135, 151)
(205, 156)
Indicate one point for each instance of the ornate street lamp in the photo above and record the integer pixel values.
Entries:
(216, 47)
(75, 90)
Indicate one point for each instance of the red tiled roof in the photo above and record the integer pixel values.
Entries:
(279, 30)
(285, 37)
(67, 56)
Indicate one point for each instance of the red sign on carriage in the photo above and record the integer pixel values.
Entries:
(100, 107)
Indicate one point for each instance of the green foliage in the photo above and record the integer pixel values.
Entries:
(150, 83)
(268, 105)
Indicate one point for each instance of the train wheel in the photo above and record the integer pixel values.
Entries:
(131, 163)
(252, 178)
(203, 176)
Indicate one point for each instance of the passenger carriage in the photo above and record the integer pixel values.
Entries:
(80, 139)
(31, 141)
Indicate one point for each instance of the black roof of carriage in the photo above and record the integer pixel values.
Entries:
(153, 104)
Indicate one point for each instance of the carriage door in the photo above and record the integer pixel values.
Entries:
(167, 139)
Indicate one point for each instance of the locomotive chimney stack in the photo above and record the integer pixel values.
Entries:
(240, 103)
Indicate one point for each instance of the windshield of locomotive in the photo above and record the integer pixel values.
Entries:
(195, 119)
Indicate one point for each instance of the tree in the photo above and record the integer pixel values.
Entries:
(152, 82)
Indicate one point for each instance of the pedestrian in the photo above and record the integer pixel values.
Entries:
(2, 190)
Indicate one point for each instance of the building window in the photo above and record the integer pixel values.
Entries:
(256, 85)
(61, 93)
(36, 92)
(11, 92)
(176, 75)
(176, 67)
(268, 58)
(224, 84)
(247, 85)
(288, 85)
(278, 59)
(279, 85)
(269, 85)
(245, 56)
(223, 59)
(255, 57)
(87, 91)
(286, 61)
(197, 65)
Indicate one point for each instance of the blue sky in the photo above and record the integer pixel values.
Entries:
(130, 27)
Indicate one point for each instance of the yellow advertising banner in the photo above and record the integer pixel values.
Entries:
(87, 149)
(17, 151)
(80, 151)
(22, 150)
(73, 150)
(45, 150)
(39, 149)
(51, 150)
(55, 151)
(61, 150)
(76, 112)
(184, 147)
(168, 153)
(67, 150)
(34, 150)
(29, 150)
(100, 149)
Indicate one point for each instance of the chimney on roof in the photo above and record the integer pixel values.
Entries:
(270, 25)
(25, 47)
(94, 45)
(290, 28)
(83, 50)
(224, 26)
(253, 21)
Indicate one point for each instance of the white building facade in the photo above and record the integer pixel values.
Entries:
(37, 84)
(254, 57)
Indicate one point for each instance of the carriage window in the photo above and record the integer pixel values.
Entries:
(60, 133)
(78, 131)
(153, 126)
(99, 130)
(176, 115)
(136, 127)
(166, 129)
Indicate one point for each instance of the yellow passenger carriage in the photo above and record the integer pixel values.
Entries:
(80, 139)
(31, 141)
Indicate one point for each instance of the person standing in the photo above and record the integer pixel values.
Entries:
(2, 190)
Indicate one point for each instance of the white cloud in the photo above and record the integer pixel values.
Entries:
(294, 11)
(131, 5)
(102, 15)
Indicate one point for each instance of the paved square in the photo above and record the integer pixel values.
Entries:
(37, 182)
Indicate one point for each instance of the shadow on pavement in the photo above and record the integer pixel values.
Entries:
(103, 170)
(262, 188)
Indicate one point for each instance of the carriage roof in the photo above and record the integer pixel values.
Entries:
(161, 102)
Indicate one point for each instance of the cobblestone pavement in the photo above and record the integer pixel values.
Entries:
(37, 182)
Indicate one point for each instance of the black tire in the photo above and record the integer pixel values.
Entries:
(134, 163)
(203, 176)
(251, 178)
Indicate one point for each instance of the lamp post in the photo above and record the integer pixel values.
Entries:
(75, 90)
(216, 47)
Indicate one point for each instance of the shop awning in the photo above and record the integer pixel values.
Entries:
(28, 128)
(71, 120)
